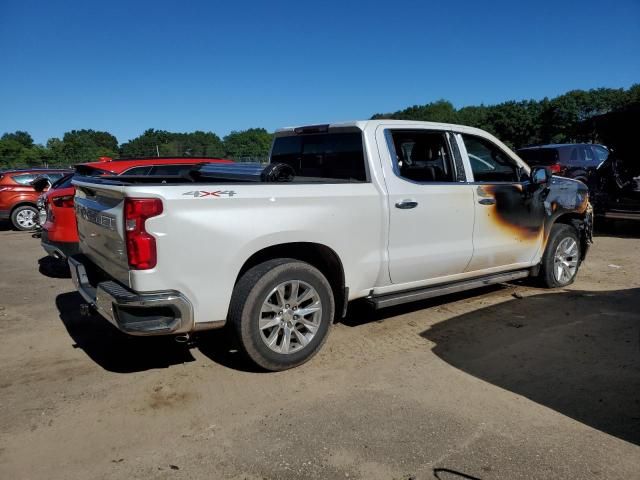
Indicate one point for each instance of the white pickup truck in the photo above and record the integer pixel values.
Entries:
(389, 211)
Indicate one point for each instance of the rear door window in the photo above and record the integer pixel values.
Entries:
(422, 156)
(326, 156)
(24, 179)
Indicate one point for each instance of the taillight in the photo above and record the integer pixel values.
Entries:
(141, 247)
(555, 168)
(65, 201)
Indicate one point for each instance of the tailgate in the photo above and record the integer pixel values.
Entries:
(99, 212)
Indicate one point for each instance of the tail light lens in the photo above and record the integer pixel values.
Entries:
(555, 168)
(141, 246)
(65, 201)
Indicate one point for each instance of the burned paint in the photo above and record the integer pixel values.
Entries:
(528, 211)
(516, 210)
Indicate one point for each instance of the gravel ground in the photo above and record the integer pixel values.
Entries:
(503, 383)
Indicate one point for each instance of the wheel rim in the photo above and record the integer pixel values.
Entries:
(26, 218)
(565, 260)
(290, 316)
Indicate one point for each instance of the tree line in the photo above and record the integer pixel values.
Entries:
(18, 149)
(565, 118)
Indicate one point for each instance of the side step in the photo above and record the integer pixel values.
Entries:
(391, 299)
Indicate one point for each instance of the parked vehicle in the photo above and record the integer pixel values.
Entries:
(389, 211)
(614, 185)
(616, 192)
(18, 197)
(59, 236)
(572, 160)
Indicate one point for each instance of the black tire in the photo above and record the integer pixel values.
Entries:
(18, 224)
(559, 232)
(247, 301)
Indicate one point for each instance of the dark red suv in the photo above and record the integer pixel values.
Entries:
(18, 198)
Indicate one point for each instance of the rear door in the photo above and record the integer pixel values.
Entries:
(509, 216)
(430, 206)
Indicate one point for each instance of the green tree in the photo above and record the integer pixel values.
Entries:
(86, 146)
(167, 144)
(253, 143)
(23, 138)
(18, 150)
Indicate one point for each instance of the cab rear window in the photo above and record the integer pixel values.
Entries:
(327, 156)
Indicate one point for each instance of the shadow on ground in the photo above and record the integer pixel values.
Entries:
(113, 350)
(5, 226)
(617, 228)
(53, 267)
(221, 347)
(577, 352)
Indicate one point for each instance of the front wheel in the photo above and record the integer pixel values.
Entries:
(282, 310)
(25, 217)
(561, 258)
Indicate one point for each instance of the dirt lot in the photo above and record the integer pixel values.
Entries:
(504, 383)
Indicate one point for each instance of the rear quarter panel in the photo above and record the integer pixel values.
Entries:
(203, 241)
(15, 196)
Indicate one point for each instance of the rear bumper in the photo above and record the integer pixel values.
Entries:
(58, 249)
(158, 313)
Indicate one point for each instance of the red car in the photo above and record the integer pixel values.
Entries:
(59, 235)
(18, 198)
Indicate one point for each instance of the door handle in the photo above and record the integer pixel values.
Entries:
(487, 201)
(406, 204)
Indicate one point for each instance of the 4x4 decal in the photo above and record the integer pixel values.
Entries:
(217, 193)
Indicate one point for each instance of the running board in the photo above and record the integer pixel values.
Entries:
(391, 299)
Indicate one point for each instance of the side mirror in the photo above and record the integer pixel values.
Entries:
(540, 176)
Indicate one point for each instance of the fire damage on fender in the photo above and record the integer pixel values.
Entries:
(529, 213)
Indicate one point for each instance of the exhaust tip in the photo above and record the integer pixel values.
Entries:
(184, 338)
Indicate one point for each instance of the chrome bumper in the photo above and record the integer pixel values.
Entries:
(159, 313)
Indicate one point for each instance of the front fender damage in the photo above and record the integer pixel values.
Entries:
(584, 226)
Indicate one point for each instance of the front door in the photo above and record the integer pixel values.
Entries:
(430, 205)
(508, 230)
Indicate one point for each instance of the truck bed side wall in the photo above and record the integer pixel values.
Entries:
(203, 241)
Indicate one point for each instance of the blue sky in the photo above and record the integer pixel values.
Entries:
(125, 66)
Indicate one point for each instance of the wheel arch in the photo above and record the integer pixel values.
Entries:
(22, 203)
(318, 255)
(582, 223)
(16, 206)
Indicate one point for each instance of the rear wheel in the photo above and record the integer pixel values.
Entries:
(24, 217)
(282, 310)
(561, 259)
